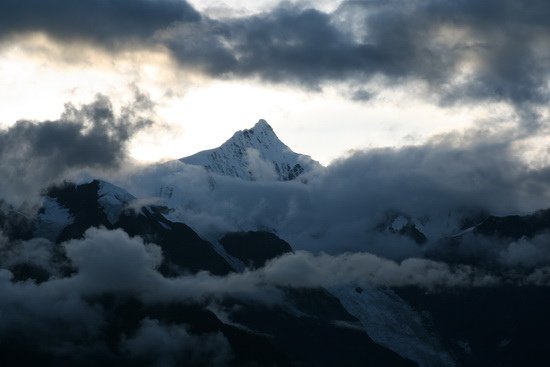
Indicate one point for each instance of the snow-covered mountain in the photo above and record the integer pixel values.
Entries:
(254, 154)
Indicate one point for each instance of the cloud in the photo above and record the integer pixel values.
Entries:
(37, 252)
(263, 170)
(306, 270)
(361, 95)
(35, 154)
(31, 311)
(72, 315)
(99, 258)
(172, 345)
(451, 51)
(65, 317)
(108, 23)
(111, 262)
(463, 51)
(539, 276)
(527, 252)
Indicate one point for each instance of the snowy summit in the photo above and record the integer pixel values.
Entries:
(254, 154)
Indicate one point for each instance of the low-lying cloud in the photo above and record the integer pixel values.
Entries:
(170, 345)
(111, 262)
(64, 315)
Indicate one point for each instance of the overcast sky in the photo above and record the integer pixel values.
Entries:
(329, 76)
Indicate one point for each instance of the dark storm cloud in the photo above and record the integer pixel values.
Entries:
(464, 50)
(286, 45)
(104, 22)
(33, 154)
(361, 95)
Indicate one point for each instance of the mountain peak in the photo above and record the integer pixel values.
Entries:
(254, 154)
(261, 132)
(262, 125)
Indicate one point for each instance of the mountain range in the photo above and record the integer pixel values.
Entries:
(310, 326)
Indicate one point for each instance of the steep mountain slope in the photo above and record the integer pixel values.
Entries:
(515, 226)
(489, 326)
(254, 154)
(254, 248)
(99, 203)
(494, 240)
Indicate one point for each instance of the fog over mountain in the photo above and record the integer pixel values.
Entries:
(438, 189)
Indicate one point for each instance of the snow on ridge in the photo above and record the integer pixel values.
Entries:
(113, 200)
(394, 324)
(52, 219)
(254, 154)
(399, 223)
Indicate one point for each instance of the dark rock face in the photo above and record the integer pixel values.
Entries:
(515, 226)
(288, 173)
(254, 248)
(182, 247)
(407, 229)
(490, 326)
(82, 203)
(308, 339)
(491, 234)
(124, 318)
